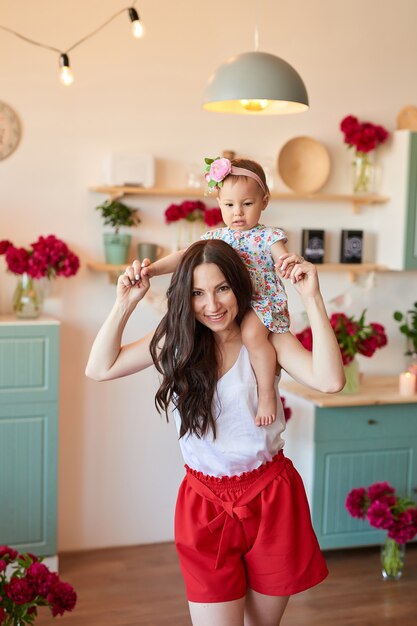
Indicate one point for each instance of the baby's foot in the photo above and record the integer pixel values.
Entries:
(267, 407)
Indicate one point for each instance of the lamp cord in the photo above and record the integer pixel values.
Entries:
(77, 43)
(256, 33)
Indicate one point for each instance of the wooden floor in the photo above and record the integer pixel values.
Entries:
(142, 585)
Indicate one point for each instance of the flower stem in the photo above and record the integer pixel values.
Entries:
(392, 559)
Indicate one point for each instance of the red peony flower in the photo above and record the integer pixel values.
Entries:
(287, 410)
(193, 211)
(4, 245)
(30, 586)
(384, 509)
(20, 591)
(41, 579)
(379, 515)
(365, 136)
(8, 553)
(47, 257)
(62, 597)
(377, 491)
(353, 336)
(213, 217)
(355, 502)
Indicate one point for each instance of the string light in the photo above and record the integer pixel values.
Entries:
(137, 26)
(65, 73)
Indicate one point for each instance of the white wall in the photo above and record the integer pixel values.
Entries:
(119, 463)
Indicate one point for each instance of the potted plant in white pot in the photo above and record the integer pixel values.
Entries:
(116, 244)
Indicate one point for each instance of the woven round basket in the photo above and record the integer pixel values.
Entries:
(304, 164)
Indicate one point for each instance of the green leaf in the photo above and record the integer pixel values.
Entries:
(208, 161)
(212, 183)
(398, 316)
(405, 330)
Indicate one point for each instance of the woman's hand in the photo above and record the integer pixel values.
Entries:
(303, 274)
(133, 284)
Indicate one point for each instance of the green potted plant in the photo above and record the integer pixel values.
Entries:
(117, 214)
(408, 321)
(408, 327)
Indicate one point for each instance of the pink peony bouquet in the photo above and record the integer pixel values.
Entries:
(382, 508)
(354, 336)
(47, 257)
(30, 585)
(362, 136)
(193, 211)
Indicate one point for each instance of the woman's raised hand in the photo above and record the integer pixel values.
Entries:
(303, 274)
(132, 285)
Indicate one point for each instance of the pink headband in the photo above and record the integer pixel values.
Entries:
(218, 169)
(241, 171)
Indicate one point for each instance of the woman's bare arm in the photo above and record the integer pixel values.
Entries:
(108, 358)
(322, 368)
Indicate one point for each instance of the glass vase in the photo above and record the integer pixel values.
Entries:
(352, 375)
(28, 297)
(412, 363)
(392, 559)
(363, 173)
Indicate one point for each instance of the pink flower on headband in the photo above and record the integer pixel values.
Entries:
(219, 169)
(216, 171)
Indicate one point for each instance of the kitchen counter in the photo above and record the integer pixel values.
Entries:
(374, 390)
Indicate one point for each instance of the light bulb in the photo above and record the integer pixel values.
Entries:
(254, 105)
(137, 29)
(65, 73)
(137, 26)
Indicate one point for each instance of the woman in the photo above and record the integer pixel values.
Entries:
(242, 528)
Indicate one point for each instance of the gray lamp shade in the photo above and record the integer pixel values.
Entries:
(256, 83)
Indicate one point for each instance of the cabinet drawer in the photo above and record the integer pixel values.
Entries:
(28, 362)
(366, 422)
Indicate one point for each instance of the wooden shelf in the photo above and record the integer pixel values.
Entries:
(353, 269)
(357, 201)
(113, 271)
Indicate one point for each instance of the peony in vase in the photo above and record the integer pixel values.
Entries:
(352, 375)
(392, 559)
(28, 297)
(363, 172)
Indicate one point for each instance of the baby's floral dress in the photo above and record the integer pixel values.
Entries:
(254, 247)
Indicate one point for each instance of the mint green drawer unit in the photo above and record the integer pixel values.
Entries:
(29, 368)
(355, 447)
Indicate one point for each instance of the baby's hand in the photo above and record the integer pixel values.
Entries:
(146, 268)
(287, 263)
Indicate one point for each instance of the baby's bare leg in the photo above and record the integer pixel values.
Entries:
(263, 359)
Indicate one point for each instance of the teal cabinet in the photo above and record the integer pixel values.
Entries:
(355, 447)
(396, 221)
(410, 248)
(339, 442)
(29, 371)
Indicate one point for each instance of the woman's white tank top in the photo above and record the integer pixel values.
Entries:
(240, 446)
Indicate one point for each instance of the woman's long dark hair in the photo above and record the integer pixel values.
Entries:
(183, 349)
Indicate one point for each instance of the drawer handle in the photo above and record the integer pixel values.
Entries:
(372, 422)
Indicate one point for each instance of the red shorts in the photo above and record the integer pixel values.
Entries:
(251, 531)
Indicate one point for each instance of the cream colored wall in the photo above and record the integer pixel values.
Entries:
(119, 464)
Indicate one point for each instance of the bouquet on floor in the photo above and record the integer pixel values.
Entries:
(384, 509)
(27, 584)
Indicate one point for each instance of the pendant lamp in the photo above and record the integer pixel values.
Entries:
(256, 83)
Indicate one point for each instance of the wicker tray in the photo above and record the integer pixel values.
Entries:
(304, 164)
